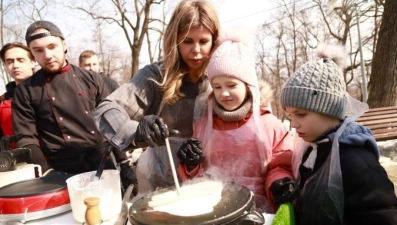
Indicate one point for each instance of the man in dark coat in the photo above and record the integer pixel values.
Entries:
(52, 109)
(89, 60)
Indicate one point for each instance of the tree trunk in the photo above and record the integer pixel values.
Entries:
(383, 84)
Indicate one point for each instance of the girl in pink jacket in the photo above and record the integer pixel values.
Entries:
(237, 138)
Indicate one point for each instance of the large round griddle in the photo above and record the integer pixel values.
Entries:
(34, 199)
(235, 203)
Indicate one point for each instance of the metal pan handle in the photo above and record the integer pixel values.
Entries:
(253, 217)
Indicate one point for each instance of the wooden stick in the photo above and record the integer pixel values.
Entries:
(167, 144)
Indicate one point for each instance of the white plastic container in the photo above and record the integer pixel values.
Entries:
(108, 190)
(24, 171)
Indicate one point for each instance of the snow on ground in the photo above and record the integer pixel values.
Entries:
(388, 151)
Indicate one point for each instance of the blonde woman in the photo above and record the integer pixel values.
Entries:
(162, 96)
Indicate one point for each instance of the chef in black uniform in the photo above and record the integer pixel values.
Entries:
(53, 108)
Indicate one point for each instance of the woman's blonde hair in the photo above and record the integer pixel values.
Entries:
(188, 14)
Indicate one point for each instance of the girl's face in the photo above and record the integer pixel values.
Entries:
(195, 48)
(310, 125)
(229, 92)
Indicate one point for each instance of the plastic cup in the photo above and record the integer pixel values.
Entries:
(107, 189)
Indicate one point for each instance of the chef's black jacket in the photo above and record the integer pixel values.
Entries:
(53, 112)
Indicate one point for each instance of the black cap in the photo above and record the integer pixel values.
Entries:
(52, 28)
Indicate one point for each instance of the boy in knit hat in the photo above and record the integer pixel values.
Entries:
(238, 140)
(340, 178)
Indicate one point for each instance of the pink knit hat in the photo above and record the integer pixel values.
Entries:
(234, 57)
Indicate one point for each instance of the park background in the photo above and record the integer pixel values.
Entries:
(127, 35)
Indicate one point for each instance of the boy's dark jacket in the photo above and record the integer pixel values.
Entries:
(369, 196)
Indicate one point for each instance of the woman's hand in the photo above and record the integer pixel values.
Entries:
(151, 130)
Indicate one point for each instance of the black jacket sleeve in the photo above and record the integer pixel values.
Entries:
(38, 157)
(369, 193)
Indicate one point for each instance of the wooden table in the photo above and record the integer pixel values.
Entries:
(67, 219)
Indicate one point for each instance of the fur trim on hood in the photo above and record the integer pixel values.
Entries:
(266, 93)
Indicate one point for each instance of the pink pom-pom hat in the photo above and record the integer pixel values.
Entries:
(234, 57)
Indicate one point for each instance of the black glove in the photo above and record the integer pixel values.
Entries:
(191, 153)
(284, 190)
(38, 157)
(151, 130)
(127, 176)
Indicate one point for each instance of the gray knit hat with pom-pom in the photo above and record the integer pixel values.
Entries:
(318, 85)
